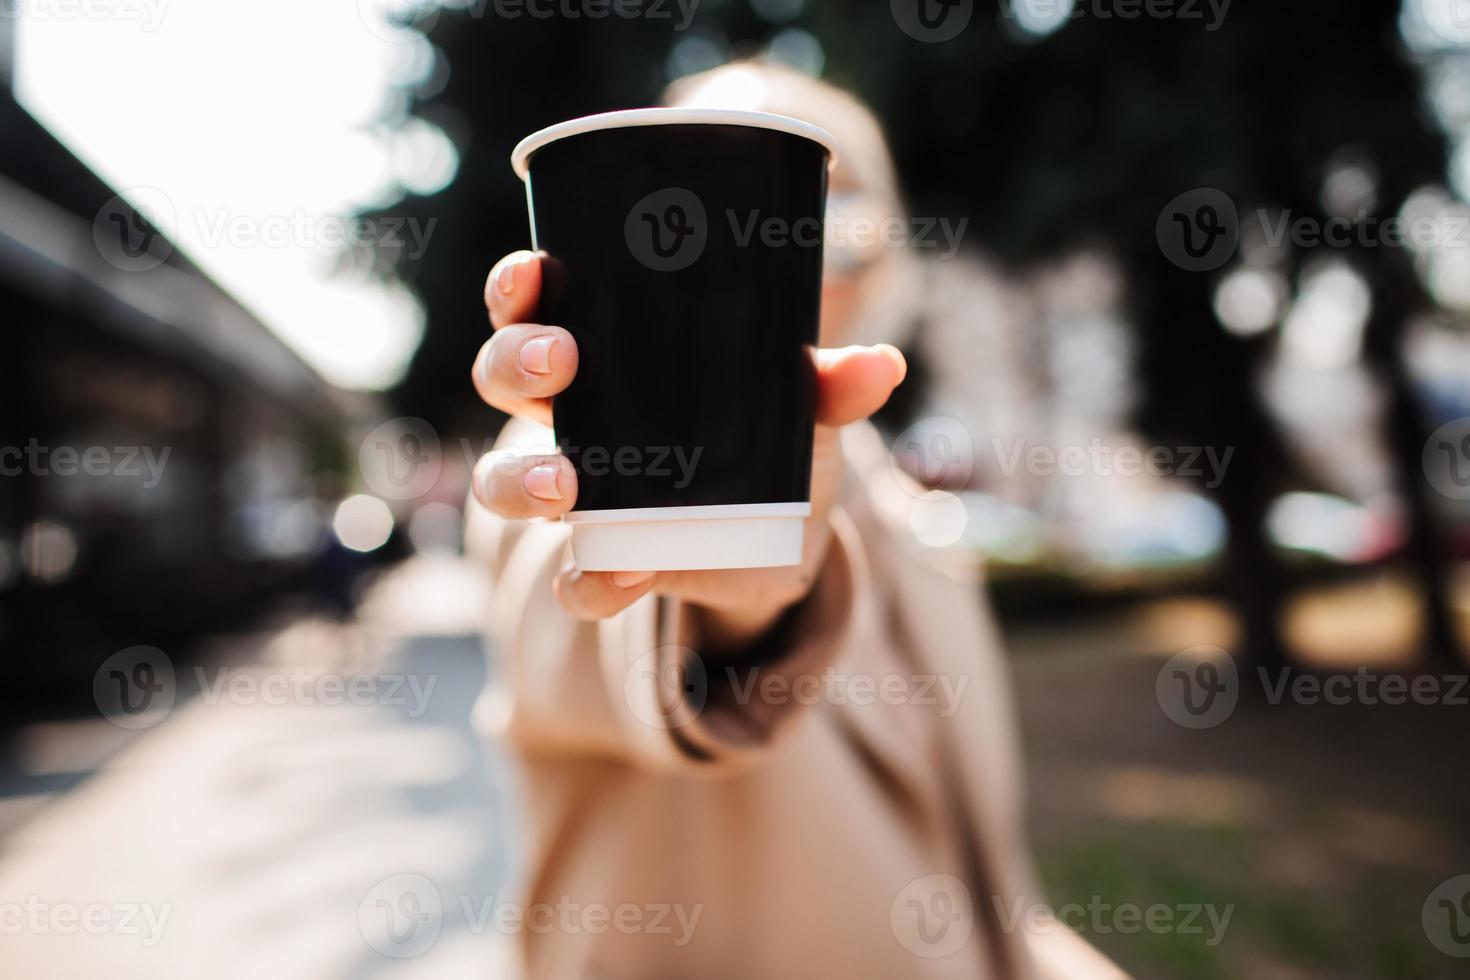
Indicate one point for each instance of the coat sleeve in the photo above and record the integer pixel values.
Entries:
(635, 687)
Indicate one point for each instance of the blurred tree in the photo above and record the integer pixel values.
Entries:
(1085, 136)
(497, 80)
(1047, 143)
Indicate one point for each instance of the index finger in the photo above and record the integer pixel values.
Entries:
(513, 288)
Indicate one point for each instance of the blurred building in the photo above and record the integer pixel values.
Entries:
(160, 448)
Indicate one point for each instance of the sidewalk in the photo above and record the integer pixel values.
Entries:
(277, 825)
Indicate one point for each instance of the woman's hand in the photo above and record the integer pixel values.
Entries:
(523, 365)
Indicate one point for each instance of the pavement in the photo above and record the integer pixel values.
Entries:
(313, 805)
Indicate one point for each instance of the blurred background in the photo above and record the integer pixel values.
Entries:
(1190, 342)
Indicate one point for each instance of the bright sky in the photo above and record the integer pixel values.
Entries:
(246, 131)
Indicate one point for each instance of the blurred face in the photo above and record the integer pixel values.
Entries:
(839, 303)
(850, 256)
(851, 253)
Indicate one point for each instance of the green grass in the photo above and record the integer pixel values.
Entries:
(1368, 930)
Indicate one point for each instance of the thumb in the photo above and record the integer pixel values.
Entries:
(854, 382)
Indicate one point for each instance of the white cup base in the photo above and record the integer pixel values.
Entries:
(666, 539)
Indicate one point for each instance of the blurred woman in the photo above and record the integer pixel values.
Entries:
(786, 772)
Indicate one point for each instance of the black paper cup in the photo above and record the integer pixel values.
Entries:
(685, 256)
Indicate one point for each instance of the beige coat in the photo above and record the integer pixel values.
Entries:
(850, 809)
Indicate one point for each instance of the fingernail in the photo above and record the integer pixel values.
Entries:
(899, 361)
(631, 580)
(505, 278)
(541, 482)
(536, 355)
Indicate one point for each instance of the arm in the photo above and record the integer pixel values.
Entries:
(599, 662)
(646, 686)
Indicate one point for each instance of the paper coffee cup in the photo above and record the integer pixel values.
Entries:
(684, 255)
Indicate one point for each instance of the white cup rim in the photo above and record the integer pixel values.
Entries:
(520, 157)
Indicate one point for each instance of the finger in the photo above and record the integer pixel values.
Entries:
(513, 288)
(522, 366)
(520, 486)
(854, 382)
(598, 595)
